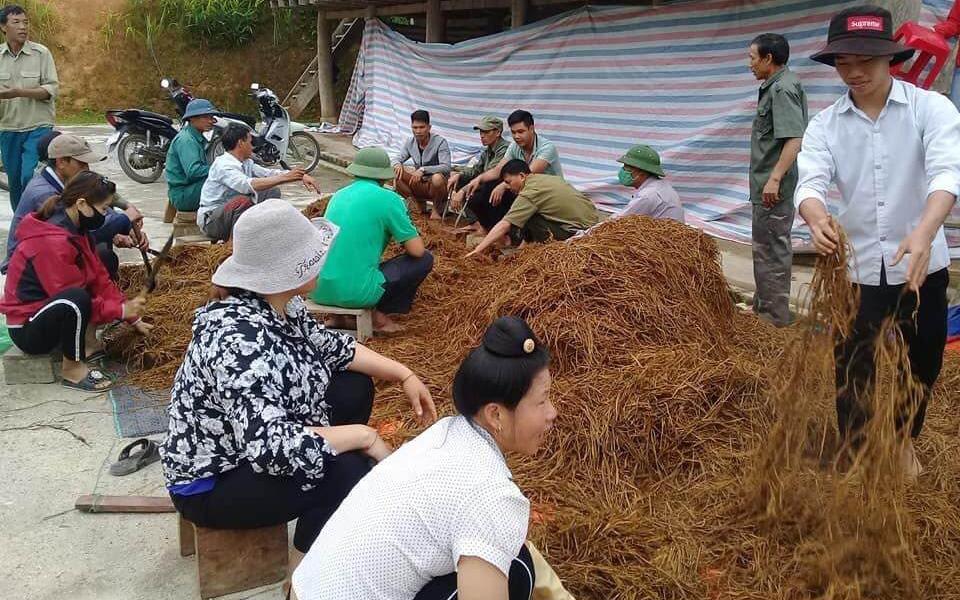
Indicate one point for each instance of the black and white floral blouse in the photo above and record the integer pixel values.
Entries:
(249, 385)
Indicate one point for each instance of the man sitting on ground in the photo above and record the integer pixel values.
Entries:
(187, 166)
(546, 207)
(235, 183)
(67, 155)
(494, 149)
(369, 217)
(654, 196)
(487, 196)
(426, 179)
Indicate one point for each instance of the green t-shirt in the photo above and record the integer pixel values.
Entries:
(555, 200)
(368, 216)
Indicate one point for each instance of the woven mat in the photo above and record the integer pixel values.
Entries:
(137, 413)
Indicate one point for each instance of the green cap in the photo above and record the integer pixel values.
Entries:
(372, 163)
(489, 123)
(645, 158)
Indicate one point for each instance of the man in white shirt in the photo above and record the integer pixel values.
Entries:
(654, 196)
(892, 150)
(235, 183)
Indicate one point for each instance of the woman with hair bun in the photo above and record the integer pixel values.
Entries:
(441, 517)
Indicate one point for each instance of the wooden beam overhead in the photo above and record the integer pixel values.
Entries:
(351, 9)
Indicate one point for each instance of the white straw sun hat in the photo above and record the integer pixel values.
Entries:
(275, 249)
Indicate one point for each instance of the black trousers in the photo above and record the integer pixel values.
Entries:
(403, 275)
(487, 214)
(244, 499)
(109, 259)
(926, 338)
(61, 323)
(520, 581)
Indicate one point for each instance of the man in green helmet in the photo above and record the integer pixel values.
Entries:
(370, 216)
(654, 196)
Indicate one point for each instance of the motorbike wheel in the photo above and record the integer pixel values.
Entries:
(303, 151)
(4, 181)
(138, 168)
(214, 150)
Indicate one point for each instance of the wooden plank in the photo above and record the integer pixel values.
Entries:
(313, 307)
(435, 22)
(124, 504)
(518, 13)
(328, 103)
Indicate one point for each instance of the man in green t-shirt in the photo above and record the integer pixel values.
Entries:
(546, 207)
(369, 217)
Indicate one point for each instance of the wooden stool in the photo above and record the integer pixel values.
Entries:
(186, 231)
(364, 330)
(234, 560)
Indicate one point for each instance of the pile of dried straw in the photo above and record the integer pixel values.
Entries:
(676, 469)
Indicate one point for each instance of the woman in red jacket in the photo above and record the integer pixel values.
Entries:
(56, 286)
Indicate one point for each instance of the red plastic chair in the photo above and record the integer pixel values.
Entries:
(931, 44)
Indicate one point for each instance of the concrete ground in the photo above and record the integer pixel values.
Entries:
(57, 444)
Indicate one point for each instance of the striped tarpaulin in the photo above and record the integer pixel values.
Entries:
(598, 80)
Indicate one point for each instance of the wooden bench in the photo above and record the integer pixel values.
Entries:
(364, 329)
(20, 368)
(234, 560)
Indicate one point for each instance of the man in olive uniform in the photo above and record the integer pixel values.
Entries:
(28, 87)
(777, 132)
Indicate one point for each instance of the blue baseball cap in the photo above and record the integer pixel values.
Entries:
(198, 108)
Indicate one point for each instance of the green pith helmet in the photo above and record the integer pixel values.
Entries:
(644, 158)
(372, 163)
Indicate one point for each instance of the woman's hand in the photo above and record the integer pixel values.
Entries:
(420, 399)
(142, 327)
(347, 438)
(133, 307)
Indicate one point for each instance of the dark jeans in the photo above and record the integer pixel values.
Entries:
(116, 223)
(244, 499)
(61, 323)
(487, 214)
(403, 275)
(520, 581)
(926, 338)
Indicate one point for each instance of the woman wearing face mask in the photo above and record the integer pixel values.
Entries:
(441, 517)
(57, 289)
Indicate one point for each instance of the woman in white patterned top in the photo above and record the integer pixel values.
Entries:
(441, 518)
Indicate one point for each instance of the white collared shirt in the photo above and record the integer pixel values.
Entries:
(885, 171)
(229, 177)
(445, 494)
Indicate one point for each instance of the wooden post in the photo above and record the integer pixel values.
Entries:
(328, 102)
(435, 22)
(518, 13)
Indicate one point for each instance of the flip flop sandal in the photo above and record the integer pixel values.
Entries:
(93, 382)
(135, 457)
(96, 356)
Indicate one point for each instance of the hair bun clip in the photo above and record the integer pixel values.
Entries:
(529, 346)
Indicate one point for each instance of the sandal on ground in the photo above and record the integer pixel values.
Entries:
(96, 356)
(95, 381)
(135, 457)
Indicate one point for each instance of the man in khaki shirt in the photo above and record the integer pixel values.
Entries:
(28, 86)
(546, 207)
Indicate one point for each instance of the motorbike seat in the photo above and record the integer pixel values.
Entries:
(146, 114)
(252, 122)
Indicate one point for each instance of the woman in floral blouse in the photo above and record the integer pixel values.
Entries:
(269, 409)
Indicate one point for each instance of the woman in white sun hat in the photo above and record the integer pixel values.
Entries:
(269, 409)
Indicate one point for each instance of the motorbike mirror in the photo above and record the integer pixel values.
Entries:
(254, 86)
(165, 83)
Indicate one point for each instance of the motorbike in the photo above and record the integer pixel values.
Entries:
(279, 141)
(141, 140)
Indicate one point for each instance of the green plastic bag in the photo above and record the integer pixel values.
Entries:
(5, 341)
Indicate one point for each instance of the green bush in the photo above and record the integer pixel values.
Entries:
(217, 23)
(43, 20)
